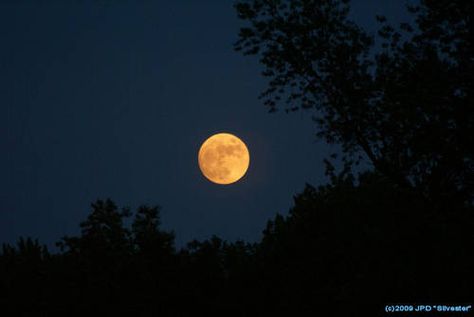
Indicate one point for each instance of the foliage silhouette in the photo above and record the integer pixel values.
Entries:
(406, 105)
(348, 245)
(401, 232)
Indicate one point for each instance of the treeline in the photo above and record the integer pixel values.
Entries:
(344, 248)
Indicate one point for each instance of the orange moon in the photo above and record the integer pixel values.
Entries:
(223, 158)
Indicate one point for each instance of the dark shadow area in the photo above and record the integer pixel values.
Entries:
(344, 248)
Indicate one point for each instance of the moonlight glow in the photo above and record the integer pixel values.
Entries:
(223, 158)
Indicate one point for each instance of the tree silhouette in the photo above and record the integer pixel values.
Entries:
(102, 234)
(400, 232)
(147, 237)
(153, 273)
(342, 246)
(22, 275)
(406, 105)
(353, 246)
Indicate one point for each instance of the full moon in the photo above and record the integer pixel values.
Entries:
(223, 158)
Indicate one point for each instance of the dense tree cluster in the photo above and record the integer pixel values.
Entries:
(343, 248)
(402, 232)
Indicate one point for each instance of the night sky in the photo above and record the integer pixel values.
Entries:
(112, 99)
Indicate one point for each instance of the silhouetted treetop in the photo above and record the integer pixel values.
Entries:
(405, 104)
(102, 233)
(148, 238)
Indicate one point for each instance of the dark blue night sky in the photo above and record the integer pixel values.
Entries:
(102, 100)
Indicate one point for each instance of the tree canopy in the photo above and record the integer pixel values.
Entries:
(402, 99)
